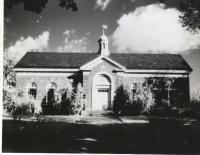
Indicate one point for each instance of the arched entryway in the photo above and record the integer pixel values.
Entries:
(101, 92)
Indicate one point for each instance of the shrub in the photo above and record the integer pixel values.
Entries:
(142, 101)
(134, 108)
(70, 102)
(9, 96)
(193, 109)
(144, 98)
(17, 104)
(121, 100)
(77, 100)
(48, 106)
(65, 101)
(23, 109)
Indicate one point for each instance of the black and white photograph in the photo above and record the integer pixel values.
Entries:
(101, 76)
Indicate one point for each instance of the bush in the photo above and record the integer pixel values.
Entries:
(164, 110)
(142, 101)
(16, 104)
(23, 109)
(144, 98)
(48, 106)
(65, 95)
(135, 108)
(70, 102)
(193, 109)
(121, 100)
(77, 100)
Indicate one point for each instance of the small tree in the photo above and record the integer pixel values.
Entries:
(77, 100)
(121, 100)
(190, 15)
(9, 77)
(145, 97)
(17, 104)
(65, 101)
(158, 86)
(49, 103)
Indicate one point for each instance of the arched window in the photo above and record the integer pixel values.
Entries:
(32, 90)
(51, 91)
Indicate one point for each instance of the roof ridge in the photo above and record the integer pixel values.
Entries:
(62, 52)
(96, 53)
(146, 53)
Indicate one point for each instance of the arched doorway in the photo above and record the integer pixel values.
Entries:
(101, 92)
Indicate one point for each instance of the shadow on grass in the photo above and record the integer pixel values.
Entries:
(60, 137)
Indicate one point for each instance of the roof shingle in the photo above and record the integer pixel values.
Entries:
(152, 61)
(76, 60)
(54, 60)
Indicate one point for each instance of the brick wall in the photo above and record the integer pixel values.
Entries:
(42, 80)
(86, 78)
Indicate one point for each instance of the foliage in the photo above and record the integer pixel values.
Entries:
(9, 80)
(141, 100)
(36, 6)
(17, 104)
(121, 100)
(195, 99)
(77, 100)
(49, 104)
(155, 96)
(158, 87)
(134, 108)
(10, 98)
(70, 102)
(191, 15)
(193, 109)
(145, 97)
(163, 110)
(65, 101)
(162, 106)
(8, 74)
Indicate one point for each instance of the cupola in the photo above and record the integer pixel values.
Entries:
(103, 44)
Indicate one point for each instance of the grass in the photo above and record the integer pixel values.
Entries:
(63, 137)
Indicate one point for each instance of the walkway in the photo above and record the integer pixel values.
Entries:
(79, 119)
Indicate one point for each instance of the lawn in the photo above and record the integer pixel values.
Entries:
(65, 137)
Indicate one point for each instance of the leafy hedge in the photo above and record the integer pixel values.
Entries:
(124, 105)
(67, 102)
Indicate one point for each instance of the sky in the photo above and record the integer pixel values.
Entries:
(134, 26)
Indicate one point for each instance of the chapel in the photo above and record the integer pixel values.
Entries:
(101, 73)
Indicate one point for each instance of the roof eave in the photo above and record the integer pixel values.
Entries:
(168, 71)
(18, 69)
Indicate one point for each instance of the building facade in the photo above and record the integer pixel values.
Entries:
(101, 73)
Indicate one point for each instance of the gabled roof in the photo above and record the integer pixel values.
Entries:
(55, 60)
(129, 61)
(152, 61)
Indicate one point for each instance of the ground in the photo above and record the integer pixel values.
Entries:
(99, 135)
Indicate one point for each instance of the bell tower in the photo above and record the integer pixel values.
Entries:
(103, 43)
